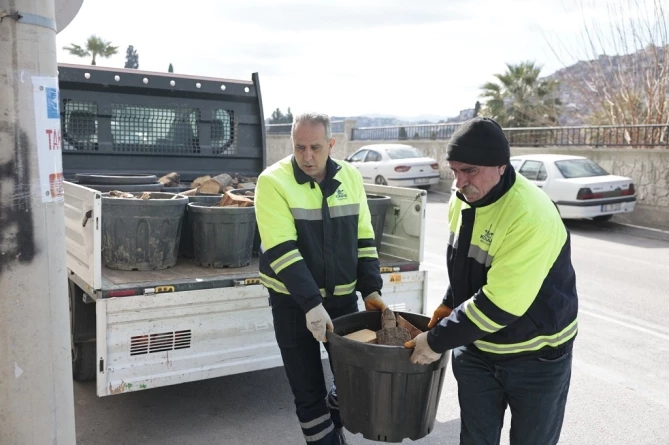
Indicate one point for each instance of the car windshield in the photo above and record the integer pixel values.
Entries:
(580, 168)
(404, 153)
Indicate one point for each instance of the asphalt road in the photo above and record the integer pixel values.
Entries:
(619, 390)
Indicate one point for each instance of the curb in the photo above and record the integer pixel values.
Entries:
(646, 232)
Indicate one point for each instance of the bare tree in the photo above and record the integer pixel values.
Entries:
(624, 79)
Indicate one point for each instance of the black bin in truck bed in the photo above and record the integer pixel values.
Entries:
(122, 120)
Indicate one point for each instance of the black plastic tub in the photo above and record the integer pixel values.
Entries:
(382, 395)
(378, 205)
(256, 236)
(115, 179)
(222, 236)
(155, 187)
(176, 189)
(186, 243)
(141, 234)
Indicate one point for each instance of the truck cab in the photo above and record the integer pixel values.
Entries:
(125, 120)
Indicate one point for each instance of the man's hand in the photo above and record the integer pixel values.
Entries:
(318, 321)
(422, 353)
(373, 302)
(442, 311)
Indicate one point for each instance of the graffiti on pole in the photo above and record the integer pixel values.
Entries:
(17, 229)
(17, 237)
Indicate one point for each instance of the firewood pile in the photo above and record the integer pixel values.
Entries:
(395, 331)
(222, 184)
(209, 185)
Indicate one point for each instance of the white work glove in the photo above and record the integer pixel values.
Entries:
(318, 321)
(373, 302)
(422, 353)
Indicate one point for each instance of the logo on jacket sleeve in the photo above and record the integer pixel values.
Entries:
(486, 238)
(340, 194)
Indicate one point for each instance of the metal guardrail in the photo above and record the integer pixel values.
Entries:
(593, 136)
(405, 132)
(337, 127)
(597, 136)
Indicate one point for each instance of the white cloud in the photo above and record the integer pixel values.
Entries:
(345, 57)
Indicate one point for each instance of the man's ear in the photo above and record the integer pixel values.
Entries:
(331, 144)
(502, 169)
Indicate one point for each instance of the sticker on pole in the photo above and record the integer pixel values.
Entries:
(48, 137)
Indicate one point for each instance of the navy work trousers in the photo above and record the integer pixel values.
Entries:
(534, 389)
(317, 409)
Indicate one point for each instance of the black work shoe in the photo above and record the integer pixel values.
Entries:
(339, 432)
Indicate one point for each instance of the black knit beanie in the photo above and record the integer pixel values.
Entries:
(479, 141)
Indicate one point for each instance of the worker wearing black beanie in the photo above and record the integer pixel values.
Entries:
(511, 307)
(479, 141)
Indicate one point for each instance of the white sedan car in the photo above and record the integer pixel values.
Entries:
(578, 186)
(395, 164)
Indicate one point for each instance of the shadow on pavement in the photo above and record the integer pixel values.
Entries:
(444, 433)
(252, 408)
(618, 233)
(243, 409)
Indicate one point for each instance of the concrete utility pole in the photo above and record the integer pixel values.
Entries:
(36, 397)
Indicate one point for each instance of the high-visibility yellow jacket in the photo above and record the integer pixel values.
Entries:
(317, 239)
(512, 284)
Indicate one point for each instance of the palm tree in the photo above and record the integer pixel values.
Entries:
(95, 47)
(520, 98)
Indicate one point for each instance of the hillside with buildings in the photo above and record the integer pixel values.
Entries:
(589, 89)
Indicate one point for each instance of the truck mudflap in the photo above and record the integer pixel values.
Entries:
(149, 341)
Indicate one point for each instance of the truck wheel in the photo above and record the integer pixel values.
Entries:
(83, 361)
(84, 355)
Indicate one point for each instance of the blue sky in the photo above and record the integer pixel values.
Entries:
(343, 57)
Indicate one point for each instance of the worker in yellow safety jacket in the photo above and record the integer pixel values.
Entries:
(317, 250)
(509, 315)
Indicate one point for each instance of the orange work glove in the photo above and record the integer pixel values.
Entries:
(442, 311)
(373, 302)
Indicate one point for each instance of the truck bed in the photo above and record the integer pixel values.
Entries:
(401, 249)
(186, 275)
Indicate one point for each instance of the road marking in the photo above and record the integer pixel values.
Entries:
(625, 324)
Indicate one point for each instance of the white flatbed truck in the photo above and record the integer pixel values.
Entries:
(135, 330)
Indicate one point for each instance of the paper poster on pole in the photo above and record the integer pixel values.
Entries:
(48, 137)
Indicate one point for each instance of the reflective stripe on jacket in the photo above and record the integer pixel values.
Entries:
(512, 284)
(317, 239)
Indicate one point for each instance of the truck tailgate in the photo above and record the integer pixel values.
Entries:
(148, 341)
(83, 208)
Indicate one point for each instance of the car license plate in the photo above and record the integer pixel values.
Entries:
(421, 181)
(610, 207)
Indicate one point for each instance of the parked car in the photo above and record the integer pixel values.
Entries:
(579, 187)
(395, 164)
